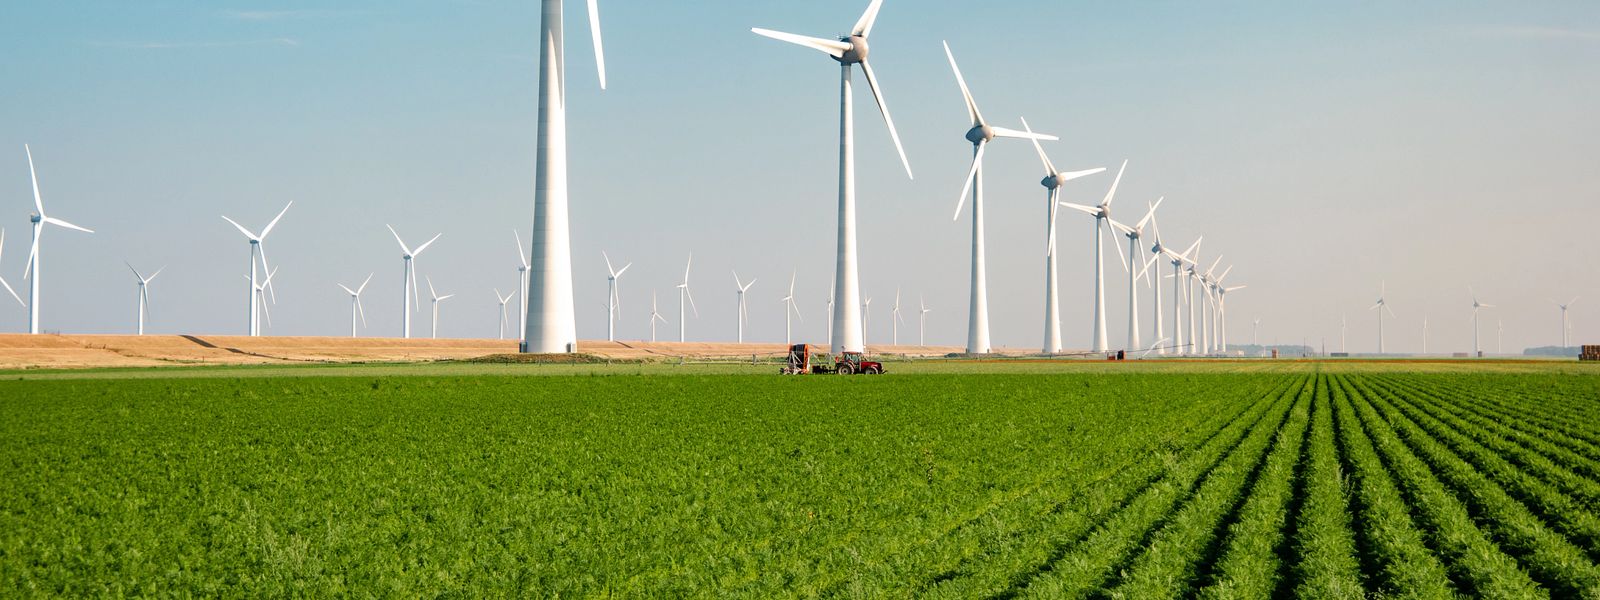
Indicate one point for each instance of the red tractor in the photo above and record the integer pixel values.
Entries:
(847, 363)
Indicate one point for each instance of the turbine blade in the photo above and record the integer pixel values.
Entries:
(520, 256)
(972, 105)
(883, 107)
(130, 268)
(241, 228)
(362, 311)
(274, 222)
(1149, 215)
(347, 290)
(13, 292)
(156, 274)
(1071, 175)
(1110, 195)
(364, 283)
(609, 270)
(425, 245)
(599, 50)
(1049, 169)
(55, 221)
(624, 269)
(686, 267)
(1012, 133)
(1093, 212)
(690, 294)
(396, 239)
(972, 174)
(1116, 243)
(863, 26)
(38, 201)
(431, 293)
(833, 48)
(268, 283)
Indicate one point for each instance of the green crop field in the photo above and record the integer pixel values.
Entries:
(954, 480)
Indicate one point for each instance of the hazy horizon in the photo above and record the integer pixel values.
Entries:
(1322, 150)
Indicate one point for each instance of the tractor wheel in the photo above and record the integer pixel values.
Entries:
(844, 370)
(874, 371)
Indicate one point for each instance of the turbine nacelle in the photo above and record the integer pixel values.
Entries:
(34, 217)
(857, 53)
(980, 133)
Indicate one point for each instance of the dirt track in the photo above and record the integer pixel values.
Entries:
(20, 351)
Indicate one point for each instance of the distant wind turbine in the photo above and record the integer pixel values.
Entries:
(39, 219)
(922, 324)
(655, 316)
(744, 313)
(613, 300)
(501, 330)
(1382, 306)
(895, 319)
(144, 291)
(259, 290)
(522, 289)
(790, 307)
(436, 300)
(683, 292)
(1476, 350)
(1566, 327)
(1052, 182)
(355, 303)
(1135, 253)
(979, 134)
(866, 320)
(258, 247)
(1102, 222)
(408, 285)
(844, 333)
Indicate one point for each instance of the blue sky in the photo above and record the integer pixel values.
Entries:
(1322, 148)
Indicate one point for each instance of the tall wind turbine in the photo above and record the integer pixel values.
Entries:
(979, 134)
(1382, 306)
(683, 292)
(790, 307)
(851, 50)
(1208, 308)
(501, 330)
(1102, 220)
(922, 322)
(655, 316)
(1134, 259)
(436, 300)
(408, 285)
(1566, 328)
(613, 301)
(1476, 350)
(552, 324)
(39, 219)
(895, 320)
(355, 303)
(522, 288)
(257, 248)
(14, 292)
(744, 314)
(1177, 260)
(1052, 182)
(144, 291)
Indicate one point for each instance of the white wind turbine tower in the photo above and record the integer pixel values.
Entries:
(683, 292)
(1052, 182)
(1424, 332)
(1566, 327)
(3, 279)
(613, 300)
(979, 134)
(436, 300)
(257, 248)
(1499, 337)
(1382, 306)
(1222, 312)
(830, 315)
(1476, 350)
(1219, 339)
(1102, 218)
(39, 219)
(144, 291)
(1343, 326)
(1177, 260)
(654, 316)
(552, 324)
(522, 289)
(1133, 260)
(408, 285)
(1193, 273)
(922, 322)
(1255, 330)
(790, 308)
(1208, 307)
(845, 331)
(744, 314)
(355, 303)
(501, 331)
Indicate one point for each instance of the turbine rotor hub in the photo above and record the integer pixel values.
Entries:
(857, 53)
(1051, 181)
(980, 133)
(34, 217)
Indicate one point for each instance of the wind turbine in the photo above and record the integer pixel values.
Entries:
(258, 290)
(895, 319)
(522, 289)
(683, 291)
(1384, 306)
(831, 320)
(654, 316)
(744, 315)
(922, 325)
(1193, 273)
(845, 331)
(1222, 314)
(39, 219)
(355, 303)
(979, 134)
(3, 279)
(257, 247)
(1476, 351)
(409, 282)
(1255, 330)
(789, 307)
(613, 301)
(1424, 332)
(866, 320)
(1566, 328)
(1102, 220)
(144, 289)
(1343, 326)
(1052, 182)
(501, 331)
(1219, 333)
(436, 300)
(1499, 337)
(1177, 260)
(552, 324)
(1208, 308)
(1135, 254)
